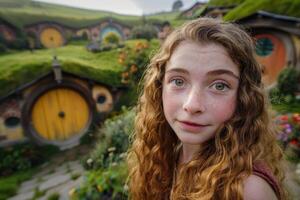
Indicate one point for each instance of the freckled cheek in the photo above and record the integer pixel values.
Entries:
(171, 103)
(223, 109)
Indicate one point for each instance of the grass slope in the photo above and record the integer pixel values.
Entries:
(22, 67)
(24, 12)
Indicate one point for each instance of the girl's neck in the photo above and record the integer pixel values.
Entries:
(187, 152)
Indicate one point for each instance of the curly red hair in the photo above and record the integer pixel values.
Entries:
(247, 137)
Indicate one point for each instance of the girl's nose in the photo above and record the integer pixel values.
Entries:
(195, 102)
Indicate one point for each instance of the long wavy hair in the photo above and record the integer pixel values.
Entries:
(223, 163)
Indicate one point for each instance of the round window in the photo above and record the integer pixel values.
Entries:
(264, 46)
(101, 99)
(12, 122)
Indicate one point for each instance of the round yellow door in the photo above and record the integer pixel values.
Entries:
(50, 38)
(60, 114)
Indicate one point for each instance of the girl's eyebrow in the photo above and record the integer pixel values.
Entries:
(222, 71)
(210, 73)
(180, 70)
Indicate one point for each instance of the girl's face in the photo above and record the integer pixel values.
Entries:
(199, 90)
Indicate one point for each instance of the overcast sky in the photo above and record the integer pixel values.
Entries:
(132, 7)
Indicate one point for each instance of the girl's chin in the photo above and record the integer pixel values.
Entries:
(193, 139)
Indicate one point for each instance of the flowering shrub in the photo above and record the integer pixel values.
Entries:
(113, 141)
(108, 172)
(289, 126)
(288, 81)
(135, 61)
(109, 183)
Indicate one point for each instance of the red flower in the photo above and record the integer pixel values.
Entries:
(284, 117)
(294, 141)
(296, 117)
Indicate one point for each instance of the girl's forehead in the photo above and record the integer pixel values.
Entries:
(188, 47)
(196, 57)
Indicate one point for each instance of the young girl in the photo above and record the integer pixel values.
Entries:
(202, 130)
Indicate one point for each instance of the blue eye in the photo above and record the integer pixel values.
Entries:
(178, 82)
(220, 86)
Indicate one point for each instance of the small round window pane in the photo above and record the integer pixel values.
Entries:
(12, 122)
(101, 99)
(264, 46)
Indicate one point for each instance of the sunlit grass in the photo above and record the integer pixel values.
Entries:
(22, 67)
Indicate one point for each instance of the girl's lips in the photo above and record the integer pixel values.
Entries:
(191, 127)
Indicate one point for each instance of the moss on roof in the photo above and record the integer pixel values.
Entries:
(20, 68)
(247, 7)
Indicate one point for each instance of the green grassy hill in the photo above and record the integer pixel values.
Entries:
(247, 7)
(22, 67)
(23, 12)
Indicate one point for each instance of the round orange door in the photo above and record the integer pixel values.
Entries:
(60, 114)
(271, 54)
(51, 37)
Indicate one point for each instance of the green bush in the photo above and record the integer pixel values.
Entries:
(18, 43)
(144, 32)
(111, 38)
(9, 185)
(108, 172)
(23, 156)
(135, 60)
(288, 81)
(283, 97)
(109, 183)
(113, 141)
(276, 97)
(128, 98)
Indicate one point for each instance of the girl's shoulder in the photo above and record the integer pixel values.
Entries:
(262, 184)
(257, 188)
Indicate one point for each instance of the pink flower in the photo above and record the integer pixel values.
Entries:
(287, 126)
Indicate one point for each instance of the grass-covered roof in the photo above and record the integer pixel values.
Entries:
(247, 7)
(17, 69)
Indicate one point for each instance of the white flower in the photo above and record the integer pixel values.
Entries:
(89, 161)
(123, 155)
(111, 149)
(125, 188)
